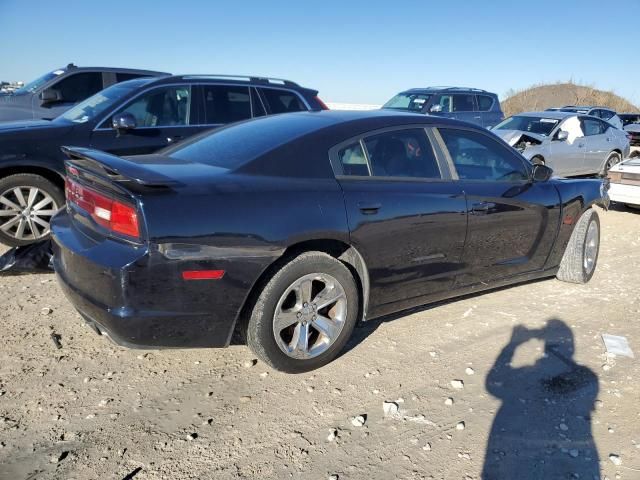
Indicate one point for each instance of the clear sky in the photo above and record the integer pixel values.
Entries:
(351, 51)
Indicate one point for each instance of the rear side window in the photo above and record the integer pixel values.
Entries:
(282, 101)
(123, 77)
(399, 153)
(479, 157)
(463, 103)
(606, 114)
(485, 102)
(591, 126)
(79, 86)
(226, 104)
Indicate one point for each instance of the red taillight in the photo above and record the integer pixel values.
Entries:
(323, 105)
(112, 214)
(203, 274)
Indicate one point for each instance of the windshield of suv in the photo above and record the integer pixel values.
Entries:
(539, 125)
(37, 83)
(100, 102)
(411, 102)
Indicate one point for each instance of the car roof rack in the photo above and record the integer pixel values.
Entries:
(456, 89)
(242, 78)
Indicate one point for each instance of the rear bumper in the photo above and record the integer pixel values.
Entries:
(137, 296)
(622, 193)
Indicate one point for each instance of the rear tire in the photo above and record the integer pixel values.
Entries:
(27, 203)
(292, 327)
(613, 159)
(581, 255)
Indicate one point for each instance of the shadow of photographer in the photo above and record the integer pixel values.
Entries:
(543, 427)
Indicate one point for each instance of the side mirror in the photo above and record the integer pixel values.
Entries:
(562, 136)
(541, 173)
(50, 95)
(437, 108)
(123, 122)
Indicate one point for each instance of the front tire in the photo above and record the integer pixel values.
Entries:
(581, 256)
(305, 313)
(27, 203)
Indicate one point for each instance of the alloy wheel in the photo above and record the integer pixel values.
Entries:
(310, 316)
(25, 212)
(591, 247)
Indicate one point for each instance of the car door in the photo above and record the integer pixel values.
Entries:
(465, 109)
(405, 214)
(163, 116)
(73, 89)
(512, 221)
(488, 116)
(596, 143)
(566, 156)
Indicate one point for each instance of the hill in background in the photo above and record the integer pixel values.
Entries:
(540, 97)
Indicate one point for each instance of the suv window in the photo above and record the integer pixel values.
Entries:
(606, 114)
(256, 104)
(485, 102)
(123, 77)
(399, 153)
(225, 104)
(479, 157)
(79, 86)
(160, 107)
(591, 126)
(281, 101)
(463, 103)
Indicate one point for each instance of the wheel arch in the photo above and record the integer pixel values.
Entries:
(50, 174)
(338, 249)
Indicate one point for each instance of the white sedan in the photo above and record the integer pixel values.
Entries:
(625, 182)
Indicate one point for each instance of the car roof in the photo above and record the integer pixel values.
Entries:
(72, 67)
(447, 89)
(555, 114)
(234, 80)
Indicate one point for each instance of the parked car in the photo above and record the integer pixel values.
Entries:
(467, 104)
(601, 112)
(321, 219)
(570, 144)
(55, 92)
(631, 123)
(625, 182)
(130, 118)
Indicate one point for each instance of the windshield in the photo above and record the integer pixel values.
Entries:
(38, 82)
(100, 102)
(412, 102)
(539, 125)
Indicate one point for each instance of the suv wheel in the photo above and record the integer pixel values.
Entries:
(305, 314)
(27, 203)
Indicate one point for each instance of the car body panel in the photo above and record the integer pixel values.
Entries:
(625, 182)
(248, 219)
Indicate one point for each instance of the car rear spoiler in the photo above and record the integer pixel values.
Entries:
(116, 168)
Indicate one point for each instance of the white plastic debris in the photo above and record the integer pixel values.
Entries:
(615, 459)
(390, 408)
(358, 421)
(617, 345)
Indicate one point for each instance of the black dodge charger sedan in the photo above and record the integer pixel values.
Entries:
(291, 228)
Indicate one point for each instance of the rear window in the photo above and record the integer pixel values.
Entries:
(412, 102)
(282, 101)
(485, 102)
(235, 145)
(226, 104)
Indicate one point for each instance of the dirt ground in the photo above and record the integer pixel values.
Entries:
(92, 410)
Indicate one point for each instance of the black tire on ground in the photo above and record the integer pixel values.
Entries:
(613, 159)
(260, 335)
(537, 160)
(27, 180)
(572, 267)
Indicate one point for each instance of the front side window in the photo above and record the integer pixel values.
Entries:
(79, 86)
(402, 153)
(160, 107)
(226, 104)
(479, 157)
(282, 101)
(445, 102)
(485, 102)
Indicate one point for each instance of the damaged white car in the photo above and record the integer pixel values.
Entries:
(568, 143)
(624, 181)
